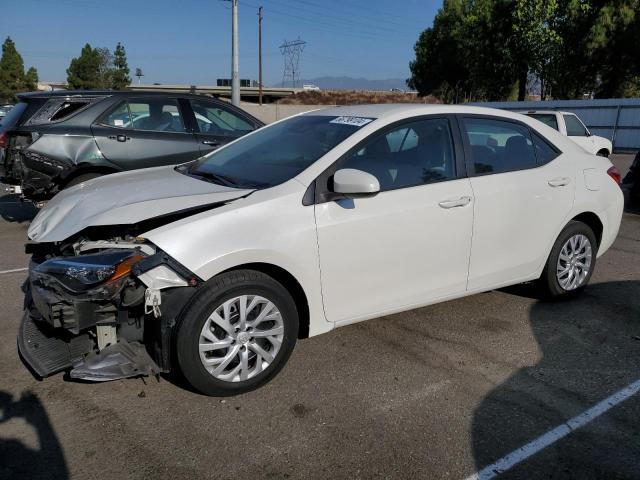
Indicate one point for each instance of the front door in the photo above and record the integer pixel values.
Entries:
(409, 244)
(217, 125)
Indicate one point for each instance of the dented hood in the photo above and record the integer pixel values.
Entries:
(123, 199)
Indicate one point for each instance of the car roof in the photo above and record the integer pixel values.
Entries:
(553, 112)
(410, 109)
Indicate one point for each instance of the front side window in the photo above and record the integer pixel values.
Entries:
(276, 153)
(216, 120)
(548, 119)
(575, 128)
(499, 146)
(413, 154)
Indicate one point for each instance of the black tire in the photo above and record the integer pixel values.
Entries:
(548, 281)
(218, 290)
(85, 177)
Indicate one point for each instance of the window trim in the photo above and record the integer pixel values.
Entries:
(467, 146)
(101, 119)
(319, 192)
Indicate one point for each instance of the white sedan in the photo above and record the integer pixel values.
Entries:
(218, 266)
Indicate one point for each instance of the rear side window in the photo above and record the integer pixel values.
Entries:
(498, 146)
(575, 128)
(216, 120)
(545, 152)
(156, 115)
(58, 109)
(548, 119)
(118, 117)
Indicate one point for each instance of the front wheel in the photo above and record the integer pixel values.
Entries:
(237, 334)
(571, 261)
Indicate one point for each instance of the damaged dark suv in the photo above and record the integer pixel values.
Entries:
(55, 140)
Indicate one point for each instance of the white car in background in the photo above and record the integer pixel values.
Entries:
(569, 124)
(216, 267)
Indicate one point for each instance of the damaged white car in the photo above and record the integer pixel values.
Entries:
(218, 266)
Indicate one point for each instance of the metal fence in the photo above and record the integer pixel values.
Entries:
(616, 119)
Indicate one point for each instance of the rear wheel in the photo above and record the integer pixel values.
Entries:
(237, 334)
(571, 261)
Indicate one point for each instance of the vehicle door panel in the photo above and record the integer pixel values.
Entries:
(217, 125)
(517, 213)
(130, 140)
(397, 249)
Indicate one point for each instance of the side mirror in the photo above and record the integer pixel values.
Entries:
(355, 183)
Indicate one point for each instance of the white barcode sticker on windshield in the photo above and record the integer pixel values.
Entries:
(355, 121)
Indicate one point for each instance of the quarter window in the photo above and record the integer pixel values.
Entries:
(498, 146)
(216, 120)
(575, 128)
(415, 153)
(544, 151)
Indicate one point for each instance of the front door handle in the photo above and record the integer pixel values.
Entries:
(213, 143)
(455, 202)
(559, 182)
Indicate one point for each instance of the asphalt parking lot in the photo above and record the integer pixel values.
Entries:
(438, 392)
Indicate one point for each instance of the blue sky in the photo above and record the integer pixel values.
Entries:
(188, 41)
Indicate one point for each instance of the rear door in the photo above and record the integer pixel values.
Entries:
(145, 132)
(218, 124)
(523, 190)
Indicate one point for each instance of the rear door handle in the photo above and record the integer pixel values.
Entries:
(213, 143)
(120, 138)
(455, 202)
(559, 182)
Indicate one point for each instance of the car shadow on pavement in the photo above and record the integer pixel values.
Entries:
(20, 461)
(13, 209)
(587, 347)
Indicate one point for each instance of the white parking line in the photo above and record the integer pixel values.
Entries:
(14, 270)
(552, 436)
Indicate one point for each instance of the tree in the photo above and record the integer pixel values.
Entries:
(11, 70)
(120, 76)
(534, 41)
(31, 79)
(441, 64)
(84, 72)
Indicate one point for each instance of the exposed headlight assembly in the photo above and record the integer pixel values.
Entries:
(101, 272)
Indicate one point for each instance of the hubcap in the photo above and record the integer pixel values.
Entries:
(241, 338)
(574, 262)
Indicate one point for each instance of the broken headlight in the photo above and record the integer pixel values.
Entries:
(86, 272)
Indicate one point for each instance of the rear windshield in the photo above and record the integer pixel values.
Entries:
(546, 118)
(276, 153)
(11, 118)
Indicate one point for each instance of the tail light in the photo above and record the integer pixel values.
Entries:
(4, 140)
(615, 175)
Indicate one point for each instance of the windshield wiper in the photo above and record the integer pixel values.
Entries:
(215, 178)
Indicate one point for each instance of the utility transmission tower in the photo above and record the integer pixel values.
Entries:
(291, 52)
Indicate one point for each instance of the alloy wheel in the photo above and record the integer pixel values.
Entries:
(241, 338)
(574, 262)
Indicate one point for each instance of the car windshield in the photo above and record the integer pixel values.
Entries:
(275, 154)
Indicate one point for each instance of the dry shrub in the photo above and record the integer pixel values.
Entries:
(352, 97)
